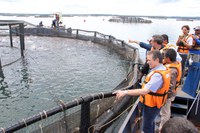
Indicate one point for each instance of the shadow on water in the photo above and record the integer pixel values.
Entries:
(3, 86)
(25, 80)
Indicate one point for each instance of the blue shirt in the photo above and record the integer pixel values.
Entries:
(193, 51)
(156, 80)
(145, 46)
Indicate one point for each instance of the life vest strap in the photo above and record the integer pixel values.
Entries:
(157, 94)
(196, 48)
(183, 48)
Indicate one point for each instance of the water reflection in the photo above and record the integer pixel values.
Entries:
(25, 75)
(3, 86)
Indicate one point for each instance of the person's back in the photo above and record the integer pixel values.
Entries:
(179, 125)
(169, 60)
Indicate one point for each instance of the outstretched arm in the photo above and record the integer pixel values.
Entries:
(135, 92)
(142, 44)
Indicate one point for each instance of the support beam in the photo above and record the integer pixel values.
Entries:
(0, 64)
(21, 36)
(10, 31)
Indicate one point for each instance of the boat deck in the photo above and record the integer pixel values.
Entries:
(181, 93)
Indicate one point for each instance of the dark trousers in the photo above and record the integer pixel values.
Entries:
(148, 118)
(183, 62)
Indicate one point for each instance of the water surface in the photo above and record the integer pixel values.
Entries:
(54, 69)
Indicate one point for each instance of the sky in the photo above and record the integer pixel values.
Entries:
(116, 7)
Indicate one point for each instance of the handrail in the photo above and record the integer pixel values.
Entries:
(55, 110)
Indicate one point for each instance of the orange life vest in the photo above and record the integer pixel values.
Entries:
(157, 99)
(184, 49)
(167, 47)
(178, 67)
(164, 44)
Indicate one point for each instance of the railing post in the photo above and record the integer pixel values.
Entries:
(76, 33)
(10, 31)
(123, 44)
(21, 36)
(95, 34)
(85, 117)
(0, 64)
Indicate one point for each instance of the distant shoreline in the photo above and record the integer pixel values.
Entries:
(71, 15)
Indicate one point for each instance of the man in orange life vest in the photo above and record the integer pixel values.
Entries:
(154, 90)
(169, 60)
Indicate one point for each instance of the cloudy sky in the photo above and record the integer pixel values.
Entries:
(118, 7)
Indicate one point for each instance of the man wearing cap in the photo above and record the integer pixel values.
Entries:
(196, 45)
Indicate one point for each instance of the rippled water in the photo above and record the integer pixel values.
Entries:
(52, 69)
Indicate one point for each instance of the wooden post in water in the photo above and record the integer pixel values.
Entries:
(21, 36)
(77, 34)
(95, 34)
(0, 64)
(10, 31)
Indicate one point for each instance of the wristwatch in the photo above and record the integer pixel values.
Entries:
(125, 92)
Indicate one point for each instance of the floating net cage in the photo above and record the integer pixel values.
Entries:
(81, 114)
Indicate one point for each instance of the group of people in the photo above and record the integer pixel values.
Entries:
(163, 73)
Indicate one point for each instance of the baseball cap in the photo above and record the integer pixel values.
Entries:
(197, 28)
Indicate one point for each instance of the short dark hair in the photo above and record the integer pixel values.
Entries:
(171, 54)
(165, 37)
(179, 125)
(185, 26)
(156, 54)
(158, 39)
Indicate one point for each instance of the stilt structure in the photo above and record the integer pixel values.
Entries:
(19, 24)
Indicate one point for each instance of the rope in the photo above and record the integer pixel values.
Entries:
(40, 125)
(3, 130)
(41, 130)
(102, 95)
(41, 115)
(61, 106)
(62, 103)
(110, 120)
(24, 122)
(76, 101)
(45, 113)
(98, 108)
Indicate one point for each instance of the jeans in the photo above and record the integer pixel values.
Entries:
(148, 116)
